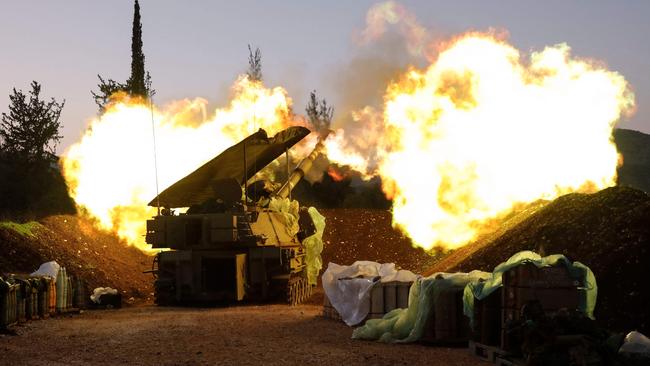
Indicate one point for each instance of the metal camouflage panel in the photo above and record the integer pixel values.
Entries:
(235, 164)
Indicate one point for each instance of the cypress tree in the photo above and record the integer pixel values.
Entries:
(136, 82)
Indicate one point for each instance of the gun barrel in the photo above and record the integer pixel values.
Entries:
(303, 167)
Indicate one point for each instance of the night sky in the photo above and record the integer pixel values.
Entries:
(197, 48)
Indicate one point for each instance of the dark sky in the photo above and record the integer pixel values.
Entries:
(197, 48)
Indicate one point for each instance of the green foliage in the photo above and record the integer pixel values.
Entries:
(106, 89)
(28, 229)
(31, 180)
(254, 64)
(319, 113)
(30, 131)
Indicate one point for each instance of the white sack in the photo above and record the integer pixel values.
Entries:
(99, 291)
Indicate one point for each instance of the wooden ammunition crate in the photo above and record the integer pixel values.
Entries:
(447, 324)
(529, 275)
(553, 287)
(486, 328)
(550, 298)
(384, 297)
(329, 311)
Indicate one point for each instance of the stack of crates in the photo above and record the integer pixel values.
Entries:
(447, 324)
(384, 297)
(552, 287)
(487, 319)
(8, 303)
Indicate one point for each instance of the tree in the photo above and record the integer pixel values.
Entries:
(31, 182)
(254, 64)
(139, 83)
(319, 113)
(106, 89)
(30, 131)
(136, 83)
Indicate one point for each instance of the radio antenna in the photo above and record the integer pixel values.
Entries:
(155, 155)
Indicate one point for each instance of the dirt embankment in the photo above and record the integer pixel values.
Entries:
(366, 234)
(100, 258)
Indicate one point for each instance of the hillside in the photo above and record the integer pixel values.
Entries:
(366, 234)
(609, 231)
(98, 257)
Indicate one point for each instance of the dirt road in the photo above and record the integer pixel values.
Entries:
(244, 335)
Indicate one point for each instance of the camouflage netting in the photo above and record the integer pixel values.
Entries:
(407, 325)
(314, 245)
(480, 290)
(289, 209)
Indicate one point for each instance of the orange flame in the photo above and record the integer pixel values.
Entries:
(110, 171)
(483, 129)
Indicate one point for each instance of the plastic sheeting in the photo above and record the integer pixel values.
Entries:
(314, 246)
(407, 325)
(636, 343)
(99, 291)
(481, 289)
(50, 269)
(351, 297)
(289, 211)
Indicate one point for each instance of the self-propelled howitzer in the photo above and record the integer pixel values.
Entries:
(233, 243)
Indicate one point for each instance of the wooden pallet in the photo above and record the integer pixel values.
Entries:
(507, 361)
(485, 352)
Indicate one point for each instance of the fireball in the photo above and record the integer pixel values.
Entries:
(483, 129)
(112, 172)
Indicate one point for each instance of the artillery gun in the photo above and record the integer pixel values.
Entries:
(230, 245)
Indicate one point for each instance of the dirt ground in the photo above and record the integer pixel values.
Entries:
(243, 335)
